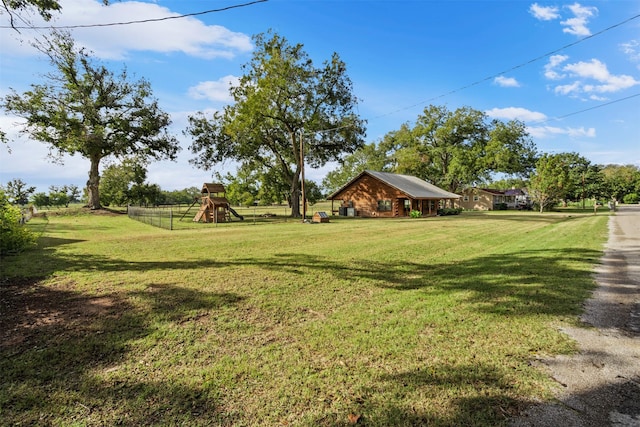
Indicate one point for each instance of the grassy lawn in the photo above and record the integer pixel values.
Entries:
(428, 321)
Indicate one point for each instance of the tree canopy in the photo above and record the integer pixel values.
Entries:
(43, 7)
(620, 180)
(550, 182)
(282, 103)
(86, 109)
(367, 157)
(18, 192)
(451, 149)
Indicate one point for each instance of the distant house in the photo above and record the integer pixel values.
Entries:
(382, 194)
(484, 199)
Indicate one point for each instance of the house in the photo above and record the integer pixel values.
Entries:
(382, 194)
(483, 199)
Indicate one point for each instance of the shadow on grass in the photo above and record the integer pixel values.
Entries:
(487, 401)
(58, 348)
(526, 282)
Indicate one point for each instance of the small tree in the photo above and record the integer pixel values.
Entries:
(18, 192)
(549, 183)
(72, 191)
(85, 109)
(41, 200)
(58, 197)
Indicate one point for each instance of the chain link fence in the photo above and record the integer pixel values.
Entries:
(157, 217)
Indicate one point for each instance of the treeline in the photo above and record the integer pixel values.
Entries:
(463, 148)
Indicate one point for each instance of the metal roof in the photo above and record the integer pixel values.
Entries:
(412, 186)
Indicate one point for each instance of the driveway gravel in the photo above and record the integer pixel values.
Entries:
(600, 385)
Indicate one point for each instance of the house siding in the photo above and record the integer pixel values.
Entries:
(484, 202)
(363, 195)
(489, 199)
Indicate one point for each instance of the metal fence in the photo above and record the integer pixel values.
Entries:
(157, 217)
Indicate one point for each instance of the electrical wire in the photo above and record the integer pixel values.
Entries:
(141, 21)
(586, 109)
(524, 64)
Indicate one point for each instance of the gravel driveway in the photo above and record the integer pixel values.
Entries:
(600, 386)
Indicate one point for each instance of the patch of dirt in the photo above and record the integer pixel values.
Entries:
(28, 308)
(106, 211)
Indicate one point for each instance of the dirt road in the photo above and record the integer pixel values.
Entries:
(600, 386)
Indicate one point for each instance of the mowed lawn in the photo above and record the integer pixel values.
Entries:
(431, 321)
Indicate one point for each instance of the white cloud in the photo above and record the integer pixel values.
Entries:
(632, 50)
(578, 24)
(511, 113)
(598, 71)
(187, 35)
(544, 13)
(581, 132)
(567, 89)
(545, 132)
(506, 81)
(598, 98)
(590, 77)
(550, 69)
(217, 91)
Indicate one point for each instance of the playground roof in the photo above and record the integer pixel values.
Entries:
(211, 188)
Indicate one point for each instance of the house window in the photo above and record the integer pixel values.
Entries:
(384, 205)
(465, 198)
(476, 198)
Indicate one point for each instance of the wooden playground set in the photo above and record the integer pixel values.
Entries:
(214, 206)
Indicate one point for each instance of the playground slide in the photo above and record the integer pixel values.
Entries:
(236, 214)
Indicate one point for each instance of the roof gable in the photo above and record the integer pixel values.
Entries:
(412, 186)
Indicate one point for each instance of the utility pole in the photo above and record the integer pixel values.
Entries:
(583, 190)
(304, 198)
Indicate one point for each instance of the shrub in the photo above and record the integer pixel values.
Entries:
(416, 214)
(500, 206)
(14, 237)
(449, 211)
(631, 198)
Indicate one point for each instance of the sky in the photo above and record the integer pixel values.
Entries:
(569, 70)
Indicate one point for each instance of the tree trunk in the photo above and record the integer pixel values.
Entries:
(295, 194)
(93, 194)
(295, 203)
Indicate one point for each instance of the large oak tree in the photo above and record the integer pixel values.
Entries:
(282, 103)
(454, 149)
(86, 109)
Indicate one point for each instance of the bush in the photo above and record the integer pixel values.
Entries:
(14, 237)
(500, 206)
(631, 198)
(449, 211)
(415, 214)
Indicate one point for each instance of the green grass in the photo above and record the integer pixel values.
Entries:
(391, 322)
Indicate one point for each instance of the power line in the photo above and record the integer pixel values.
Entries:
(588, 109)
(142, 21)
(524, 64)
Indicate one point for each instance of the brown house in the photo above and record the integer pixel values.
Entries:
(382, 194)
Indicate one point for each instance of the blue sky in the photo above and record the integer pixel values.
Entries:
(511, 59)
